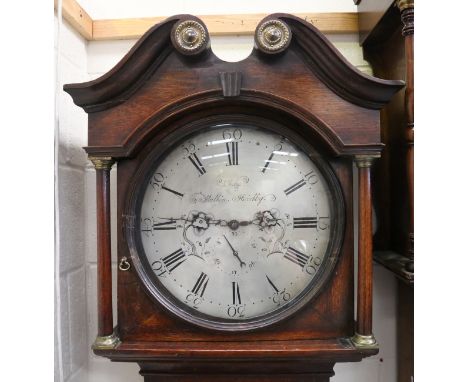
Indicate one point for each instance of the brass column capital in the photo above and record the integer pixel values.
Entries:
(365, 160)
(102, 163)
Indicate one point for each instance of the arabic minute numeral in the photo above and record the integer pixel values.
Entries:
(157, 180)
(158, 268)
(311, 177)
(232, 135)
(324, 222)
(236, 311)
(146, 226)
(281, 297)
(193, 300)
(313, 264)
(189, 148)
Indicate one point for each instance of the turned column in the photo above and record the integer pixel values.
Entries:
(105, 336)
(407, 17)
(363, 335)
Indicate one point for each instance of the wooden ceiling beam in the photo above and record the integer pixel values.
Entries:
(218, 25)
(77, 17)
(222, 25)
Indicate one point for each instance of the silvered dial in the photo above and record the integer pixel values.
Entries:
(235, 223)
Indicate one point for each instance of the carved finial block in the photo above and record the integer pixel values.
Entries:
(272, 36)
(407, 17)
(231, 83)
(404, 4)
(406, 8)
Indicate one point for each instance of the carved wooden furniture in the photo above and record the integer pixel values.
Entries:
(386, 31)
(169, 83)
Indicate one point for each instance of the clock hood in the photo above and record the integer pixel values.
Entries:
(310, 77)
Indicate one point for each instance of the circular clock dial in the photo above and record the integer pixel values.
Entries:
(235, 225)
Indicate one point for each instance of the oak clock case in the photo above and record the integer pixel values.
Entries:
(235, 235)
(237, 225)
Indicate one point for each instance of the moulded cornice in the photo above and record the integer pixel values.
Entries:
(130, 73)
(143, 60)
(334, 70)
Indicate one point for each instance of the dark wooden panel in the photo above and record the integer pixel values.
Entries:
(390, 53)
(364, 297)
(105, 318)
(405, 331)
(306, 352)
(240, 371)
(390, 184)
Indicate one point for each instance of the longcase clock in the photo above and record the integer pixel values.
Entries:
(235, 204)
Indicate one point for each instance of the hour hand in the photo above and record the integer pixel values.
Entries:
(235, 253)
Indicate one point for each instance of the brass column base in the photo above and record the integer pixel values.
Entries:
(106, 342)
(364, 342)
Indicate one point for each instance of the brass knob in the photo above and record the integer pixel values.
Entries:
(190, 37)
(272, 36)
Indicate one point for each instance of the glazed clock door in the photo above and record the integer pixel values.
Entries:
(238, 226)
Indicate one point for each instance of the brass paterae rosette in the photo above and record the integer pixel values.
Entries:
(189, 37)
(364, 341)
(106, 342)
(272, 36)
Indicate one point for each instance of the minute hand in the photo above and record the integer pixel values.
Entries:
(235, 253)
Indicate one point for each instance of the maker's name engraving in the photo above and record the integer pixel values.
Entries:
(256, 198)
(235, 182)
